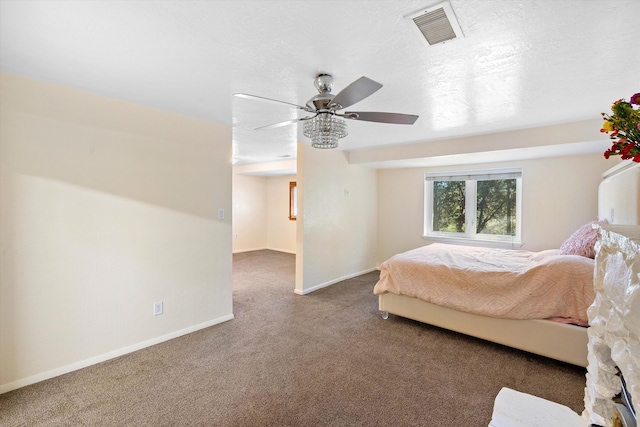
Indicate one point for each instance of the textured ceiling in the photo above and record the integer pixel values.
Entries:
(521, 64)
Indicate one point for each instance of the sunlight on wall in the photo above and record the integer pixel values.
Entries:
(107, 207)
(91, 264)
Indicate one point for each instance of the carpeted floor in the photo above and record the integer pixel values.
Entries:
(324, 359)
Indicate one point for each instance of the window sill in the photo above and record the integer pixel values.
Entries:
(508, 244)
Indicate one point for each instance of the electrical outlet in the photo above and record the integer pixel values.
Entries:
(220, 213)
(157, 308)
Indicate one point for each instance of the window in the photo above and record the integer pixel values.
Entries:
(483, 205)
(293, 201)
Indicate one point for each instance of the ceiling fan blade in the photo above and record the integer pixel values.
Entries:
(372, 116)
(355, 92)
(288, 122)
(261, 98)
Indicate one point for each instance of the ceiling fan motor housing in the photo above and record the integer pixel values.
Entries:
(320, 102)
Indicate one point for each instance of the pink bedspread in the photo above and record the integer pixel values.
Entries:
(502, 283)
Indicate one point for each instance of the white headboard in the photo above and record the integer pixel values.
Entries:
(619, 194)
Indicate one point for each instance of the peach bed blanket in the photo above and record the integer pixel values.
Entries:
(502, 283)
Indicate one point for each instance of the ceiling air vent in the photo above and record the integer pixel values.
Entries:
(436, 24)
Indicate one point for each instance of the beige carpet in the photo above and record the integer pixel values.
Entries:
(324, 359)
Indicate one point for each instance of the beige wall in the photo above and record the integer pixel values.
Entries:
(559, 195)
(564, 139)
(106, 207)
(261, 214)
(249, 213)
(281, 231)
(336, 227)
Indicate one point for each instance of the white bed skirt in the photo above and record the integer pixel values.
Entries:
(560, 341)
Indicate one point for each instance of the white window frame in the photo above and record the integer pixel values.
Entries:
(470, 236)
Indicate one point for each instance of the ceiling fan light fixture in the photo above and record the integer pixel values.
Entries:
(325, 130)
(326, 126)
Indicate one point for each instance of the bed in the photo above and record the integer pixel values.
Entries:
(500, 295)
(548, 332)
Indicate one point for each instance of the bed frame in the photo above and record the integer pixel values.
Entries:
(560, 341)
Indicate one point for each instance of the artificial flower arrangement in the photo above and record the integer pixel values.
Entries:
(623, 127)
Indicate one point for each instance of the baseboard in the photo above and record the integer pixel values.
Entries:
(282, 250)
(248, 250)
(331, 282)
(264, 249)
(4, 388)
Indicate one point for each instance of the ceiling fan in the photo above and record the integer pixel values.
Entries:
(326, 126)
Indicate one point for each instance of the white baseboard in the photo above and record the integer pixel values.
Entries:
(239, 251)
(282, 250)
(331, 282)
(4, 388)
(264, 249)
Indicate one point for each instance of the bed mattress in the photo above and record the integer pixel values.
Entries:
(510, 284)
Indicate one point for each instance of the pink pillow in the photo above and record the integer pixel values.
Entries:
(583, 241)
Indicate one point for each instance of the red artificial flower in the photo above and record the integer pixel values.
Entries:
(623, 128)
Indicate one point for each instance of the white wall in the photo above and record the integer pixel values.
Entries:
(261, 214)
(106, 207)
(559, 195)
(336, 227)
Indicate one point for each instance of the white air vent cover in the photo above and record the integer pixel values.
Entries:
(436, 24)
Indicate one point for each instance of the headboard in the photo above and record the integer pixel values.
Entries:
(619, 194)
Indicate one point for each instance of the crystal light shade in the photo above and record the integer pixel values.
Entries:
(324, 130)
